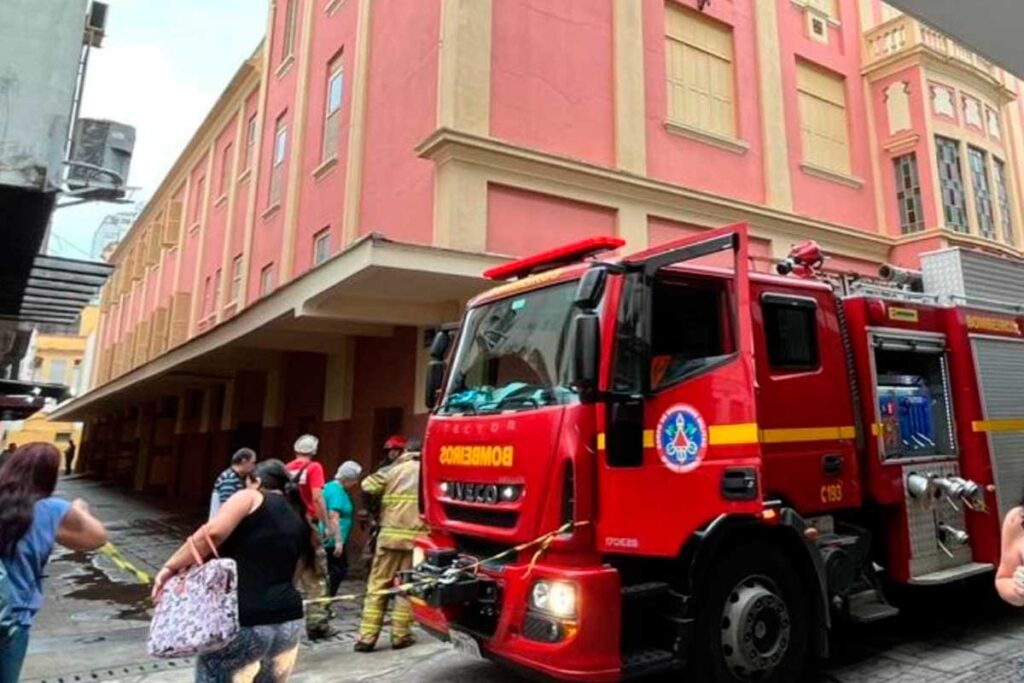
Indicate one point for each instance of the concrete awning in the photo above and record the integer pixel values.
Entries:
(366, 290)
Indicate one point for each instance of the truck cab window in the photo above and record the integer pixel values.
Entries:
(790, 332)
(691, 329)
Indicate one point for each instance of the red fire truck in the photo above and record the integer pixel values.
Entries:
(733, 460)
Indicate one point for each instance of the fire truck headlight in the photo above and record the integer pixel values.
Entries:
(554, 597)
(418, 556)
(443, 488)
(509, 493)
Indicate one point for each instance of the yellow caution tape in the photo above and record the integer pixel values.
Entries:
(114, 555)
(543, 541)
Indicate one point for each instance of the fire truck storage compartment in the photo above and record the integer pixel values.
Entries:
(1000, 366)
(913, 394)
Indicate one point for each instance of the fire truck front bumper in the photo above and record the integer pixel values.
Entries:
(557, 621)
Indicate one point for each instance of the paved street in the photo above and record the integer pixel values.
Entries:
(93, 626)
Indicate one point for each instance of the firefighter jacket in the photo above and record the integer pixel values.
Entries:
(398, 489)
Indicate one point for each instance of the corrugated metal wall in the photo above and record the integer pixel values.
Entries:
(972, 274)
(1001, 375)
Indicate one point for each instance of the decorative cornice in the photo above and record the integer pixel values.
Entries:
(445, 145)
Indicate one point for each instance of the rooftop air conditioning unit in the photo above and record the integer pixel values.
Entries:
(100, 158)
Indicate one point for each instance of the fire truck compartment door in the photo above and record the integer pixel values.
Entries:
(700, 450)
(1000, 364)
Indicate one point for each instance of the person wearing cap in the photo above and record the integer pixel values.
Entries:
(397, 487)
(309, 475)
(370, 516)
(339, 513)
(393, 449)
(233, 479)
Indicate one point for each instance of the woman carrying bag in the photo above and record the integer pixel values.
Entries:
(264, 530)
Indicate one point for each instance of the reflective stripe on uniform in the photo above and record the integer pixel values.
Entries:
(391, 532)
(393, 498)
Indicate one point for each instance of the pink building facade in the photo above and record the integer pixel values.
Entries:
(373, 157)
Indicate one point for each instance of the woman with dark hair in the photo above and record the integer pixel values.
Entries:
(264, 530)
(1010, 574)
(31, 521)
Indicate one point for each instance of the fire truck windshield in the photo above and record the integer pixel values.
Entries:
(513, 354)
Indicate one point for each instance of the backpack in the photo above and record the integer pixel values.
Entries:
(8, 623)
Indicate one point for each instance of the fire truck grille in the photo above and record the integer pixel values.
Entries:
(480, 548)
(501, 519)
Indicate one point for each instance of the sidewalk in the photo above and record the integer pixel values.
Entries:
(94, 623)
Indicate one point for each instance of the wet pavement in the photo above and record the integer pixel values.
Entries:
(94, 624)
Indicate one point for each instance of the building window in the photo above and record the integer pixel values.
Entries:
(206, 296)
(332, 113)
(790, 332)
(250, 141)
(236, 278)
(699, 72)
(1003, 198)
(288, 39)
(76, 376)
(267, 279)
(216, 288)
(951, 182)
(982, 192)
(321, 246)
(197, 200)
(280, 148)
(58, 371)
(908, 193)
(822, 105)
(225, 170)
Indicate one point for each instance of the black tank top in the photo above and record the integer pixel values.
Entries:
(267, 545)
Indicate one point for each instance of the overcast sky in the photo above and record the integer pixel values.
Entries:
(161, 68)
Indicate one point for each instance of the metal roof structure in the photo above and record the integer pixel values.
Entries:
(55, 291)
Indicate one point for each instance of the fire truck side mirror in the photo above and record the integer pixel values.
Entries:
(435, 377)
(586, 362)
(439, 344)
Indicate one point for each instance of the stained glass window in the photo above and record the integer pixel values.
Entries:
(982, 193)
(1003, 197)
(951, 183)
(908, 193)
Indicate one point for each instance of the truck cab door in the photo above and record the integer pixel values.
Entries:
(680, 442)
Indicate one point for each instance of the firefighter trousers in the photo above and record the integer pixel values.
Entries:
(386, 564)
(313, 585)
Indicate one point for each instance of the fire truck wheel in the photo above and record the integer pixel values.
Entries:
(753, 622)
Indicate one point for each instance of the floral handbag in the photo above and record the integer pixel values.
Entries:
(198, 609)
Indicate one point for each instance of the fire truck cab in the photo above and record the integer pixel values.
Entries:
(665, 461)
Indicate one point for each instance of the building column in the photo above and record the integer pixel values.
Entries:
(464, 81)
(630, 98)
(293, 188)
(273, 413)
(460, 206)
(145, 441)
(632, 226)
(357, 127)
(778, 191)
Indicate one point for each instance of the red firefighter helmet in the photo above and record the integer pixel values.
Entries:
(395, 442)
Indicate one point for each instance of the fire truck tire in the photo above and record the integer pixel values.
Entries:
(752, 624)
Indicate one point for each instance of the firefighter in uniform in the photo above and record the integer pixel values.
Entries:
(398, 489)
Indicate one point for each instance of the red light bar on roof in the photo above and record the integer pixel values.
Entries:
(553, 258)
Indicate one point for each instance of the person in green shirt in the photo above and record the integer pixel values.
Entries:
(340, 512)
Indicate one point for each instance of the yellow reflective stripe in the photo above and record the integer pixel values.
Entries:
(749, 432)
(1006, 424)
(807, 434)
(391, 532)
(399, 498)
(733, 434)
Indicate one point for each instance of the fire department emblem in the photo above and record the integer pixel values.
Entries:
(682, 438)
